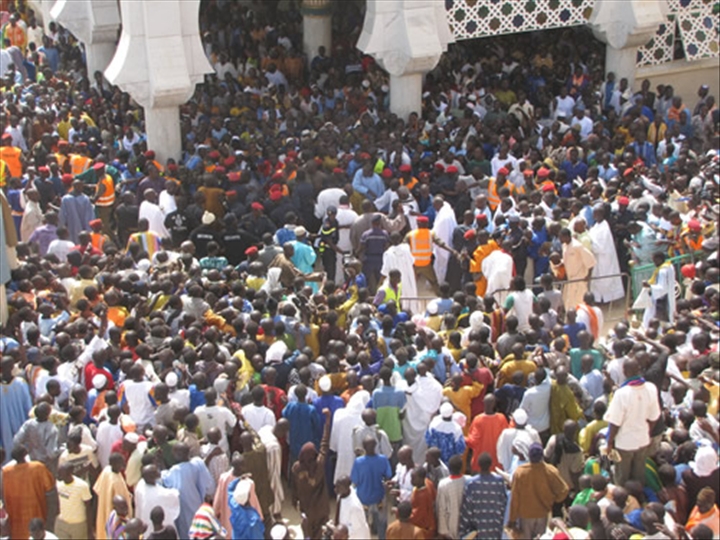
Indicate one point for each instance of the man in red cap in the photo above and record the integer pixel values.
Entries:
(692, 237)
(421, 242)
(257, 223)
(104, 196)
(97, 238)
(406, 177)
(150, 157)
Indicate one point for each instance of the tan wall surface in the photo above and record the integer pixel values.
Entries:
(685, 77)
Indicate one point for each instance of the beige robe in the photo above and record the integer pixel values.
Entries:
(106, 487)
(578, 262)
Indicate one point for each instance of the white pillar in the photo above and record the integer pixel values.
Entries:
(162, 126)
(406, 94)
(158, 61)
(93, 22)
(407, 38)
(98, 56)
(625, 26)
(622, 62)
(317, 32)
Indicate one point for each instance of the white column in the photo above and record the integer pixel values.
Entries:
(158, 61)
(622, 62)
(625, 26)
(407, 38)
(93, 22)
(317, 32)
(406, 94)
(98, 56)
(162, 126)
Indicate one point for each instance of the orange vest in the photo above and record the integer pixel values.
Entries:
(11, 156)
(421, 246)
(97, 240)
(79, 164)
(410, 184)
(494, 198)
(108, 198)
(62, 160)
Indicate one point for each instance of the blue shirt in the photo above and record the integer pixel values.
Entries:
(368, 473)
(304, 425)
(363, 184)
(328, 401)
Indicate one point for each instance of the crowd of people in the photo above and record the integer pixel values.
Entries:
(399, 327)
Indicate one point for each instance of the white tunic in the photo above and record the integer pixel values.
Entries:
(423, 401)
(148, 497)
(341, 439)
(444, 226)
(352, 515)
(606, 264)
(400, 258)
(664, 286)
(498, 270)
(155, 217)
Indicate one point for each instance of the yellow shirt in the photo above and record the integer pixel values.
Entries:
(462, 398)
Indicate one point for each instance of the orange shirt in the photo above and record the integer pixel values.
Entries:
(11, 156)
(484, 433)
(25, 486)
(423, 509)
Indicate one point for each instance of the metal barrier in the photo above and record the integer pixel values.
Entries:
(612, 311)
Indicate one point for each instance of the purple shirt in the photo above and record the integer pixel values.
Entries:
(43, 236)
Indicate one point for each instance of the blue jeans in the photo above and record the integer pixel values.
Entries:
(377, 519)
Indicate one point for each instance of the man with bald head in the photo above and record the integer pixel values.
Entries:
(632, 413)
(485, 431)
(150, 210)
(192, 480)
(149, 493)
(118, 518)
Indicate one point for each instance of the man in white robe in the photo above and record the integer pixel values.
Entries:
(424, 395)
(327, 198)
(149, 493)
(341, 439)
(443, 227)
(498, 271)
(32, 215)
(662, 292)
(269, 436)
(606, 261)
(345, 217)
(399, 257)
(150, 210)
(351, 511)
(578, 263)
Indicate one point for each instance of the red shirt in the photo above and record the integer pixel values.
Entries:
(91, 370)
(275, 400)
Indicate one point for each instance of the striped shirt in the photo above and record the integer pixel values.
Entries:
(205, 524)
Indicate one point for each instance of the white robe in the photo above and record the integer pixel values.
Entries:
(341, 440)
(444, 226)
(664, 285)
(423, 401)
(346, 216)
(400, 258)
(352, 515)
(606, 264)
(167, 202)
(31, 220)
(326, 198)
(148, 497)
(498, 271)
(155, 217)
